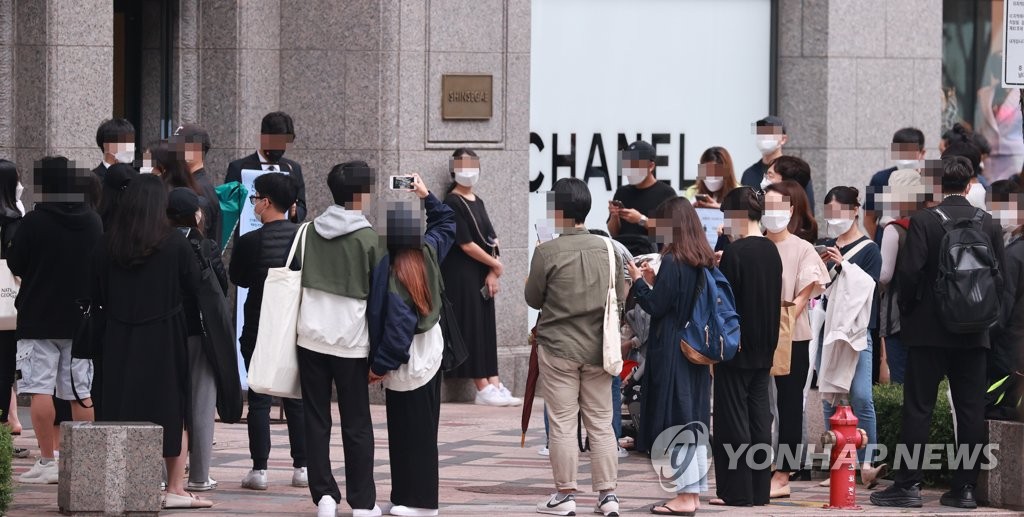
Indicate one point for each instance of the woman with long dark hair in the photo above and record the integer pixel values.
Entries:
(676, 392)
(412, 377)
(471, 274)
(115, 183)
(10, 217)
(803, 278)
(143, 269)
(169, 163)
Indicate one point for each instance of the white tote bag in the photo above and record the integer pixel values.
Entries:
(611, 343)
(274, 369)
(9, 286)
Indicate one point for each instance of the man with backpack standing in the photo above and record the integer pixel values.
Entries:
(960, 290)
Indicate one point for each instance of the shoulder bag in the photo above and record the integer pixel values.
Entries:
(611, 344)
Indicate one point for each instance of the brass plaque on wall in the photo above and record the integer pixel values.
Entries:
(466, 97)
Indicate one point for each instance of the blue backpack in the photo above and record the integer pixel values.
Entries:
(712, 333)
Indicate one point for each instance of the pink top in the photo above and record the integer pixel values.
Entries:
(801, 267)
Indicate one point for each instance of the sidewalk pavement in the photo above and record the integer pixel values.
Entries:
(483, 472)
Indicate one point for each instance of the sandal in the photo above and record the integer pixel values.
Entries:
(718, 501)
(185, 501)
(670, 511)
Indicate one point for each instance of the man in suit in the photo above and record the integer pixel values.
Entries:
(934, 352)
(196, 143)
(276, 132)
(116, 139)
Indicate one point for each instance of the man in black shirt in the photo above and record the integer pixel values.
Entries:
(116, 140)
(196, 142)
(771, 136)
(634, 203)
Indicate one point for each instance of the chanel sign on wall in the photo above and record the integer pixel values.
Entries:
(466, 97)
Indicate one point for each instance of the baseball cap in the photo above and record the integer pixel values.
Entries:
(193, 134)
(640, 150)
(182, 202)
(771, 121)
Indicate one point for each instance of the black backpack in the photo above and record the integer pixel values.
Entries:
(967, 285)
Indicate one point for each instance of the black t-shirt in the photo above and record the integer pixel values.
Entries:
(644, 201)
(754, 270)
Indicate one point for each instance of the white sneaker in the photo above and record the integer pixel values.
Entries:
(299, 477)
(608, 506)
(512, 401)
(623, 453)
(373, 512)
(256, 480)
(409, 511)
(544, 451)
(327, 507)
(490, 396)
(553, 507)
(41, 474)
(210, 484)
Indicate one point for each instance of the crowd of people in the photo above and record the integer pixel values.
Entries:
(862, 298)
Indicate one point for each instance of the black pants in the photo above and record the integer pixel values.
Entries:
(790, 403)
(743, 421)
(965, 369)
(318, 373)
(412, 444)
(8, 365)
(258, 423)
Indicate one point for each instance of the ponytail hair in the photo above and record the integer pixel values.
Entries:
(408, 265)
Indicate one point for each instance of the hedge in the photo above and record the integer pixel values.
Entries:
(888, 414)
(6, 482)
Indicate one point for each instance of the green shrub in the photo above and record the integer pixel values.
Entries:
(888, 414)
(6, 483)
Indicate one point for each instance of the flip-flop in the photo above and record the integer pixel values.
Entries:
(655, 511)
(184, 501)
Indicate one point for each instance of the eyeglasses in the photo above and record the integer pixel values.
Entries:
(254, 198)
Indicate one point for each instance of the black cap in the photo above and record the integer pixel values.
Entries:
(193, 134)
(182, 202)
(771, 121)
(641, 150)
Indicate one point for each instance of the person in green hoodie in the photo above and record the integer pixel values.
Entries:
(340, 258)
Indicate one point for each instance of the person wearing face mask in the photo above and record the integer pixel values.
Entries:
(10, 219)
(1006, 357)
(195, 143)
(634, 203)
(742, 417)
(791, 168)
(116, 140)
(115, 183)
(715, 179)
(277, 132)
(770, 136)
(471, 273)
(255, 252)
(803, 277)
(846, 244)
(907, 153)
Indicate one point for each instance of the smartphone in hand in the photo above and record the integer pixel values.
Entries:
(485, 292)
(403, 183)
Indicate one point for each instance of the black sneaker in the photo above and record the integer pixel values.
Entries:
(963, 498)
(898, 497)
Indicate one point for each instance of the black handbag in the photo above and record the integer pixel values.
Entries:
(218, 338)
(87, 340)
(455, 352)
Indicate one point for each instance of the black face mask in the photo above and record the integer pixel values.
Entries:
(273, 155)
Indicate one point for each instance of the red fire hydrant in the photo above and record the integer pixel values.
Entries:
(845, 438)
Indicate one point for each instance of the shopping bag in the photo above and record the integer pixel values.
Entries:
(9, 286)
(784, 350)
(231, 197)
(611, 345)
(274, 369)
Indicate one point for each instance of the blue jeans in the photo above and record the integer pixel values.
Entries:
(860, 400)
(896, 358)
(616, 410)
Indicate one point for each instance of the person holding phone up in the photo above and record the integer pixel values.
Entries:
(634, 203)
(715, 179)
(471, 272)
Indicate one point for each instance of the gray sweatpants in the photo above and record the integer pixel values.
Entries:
(204, 406)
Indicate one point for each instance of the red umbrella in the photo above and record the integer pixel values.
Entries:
(531, 386)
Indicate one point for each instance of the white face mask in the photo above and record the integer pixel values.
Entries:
(714, 183)
(634, 176)
(908, 164)
(768, 144)
(18, 191)
(976, 196)
(775, 220)
(145, 170)
(1007, 219)
(127, 155)
(836, 227)
(764, 183)
(467, 177)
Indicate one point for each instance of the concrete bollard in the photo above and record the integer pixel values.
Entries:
(1001, 487)
(110, 468)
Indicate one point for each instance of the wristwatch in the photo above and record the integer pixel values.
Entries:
(643, 220)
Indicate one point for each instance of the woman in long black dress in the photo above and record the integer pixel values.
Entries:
(143, 269)
(676, 392)
(471, 272)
